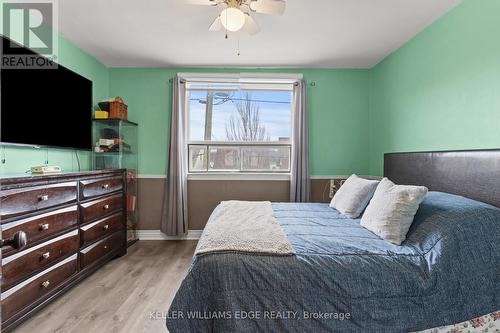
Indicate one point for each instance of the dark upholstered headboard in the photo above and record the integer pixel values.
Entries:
(474, 174)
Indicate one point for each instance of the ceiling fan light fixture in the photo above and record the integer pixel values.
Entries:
(232, 19)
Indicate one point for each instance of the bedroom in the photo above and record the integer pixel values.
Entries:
(205, 184)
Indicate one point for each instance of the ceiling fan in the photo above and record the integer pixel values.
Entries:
(236, 13)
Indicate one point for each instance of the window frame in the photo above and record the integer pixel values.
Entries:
(260, 81)
(241, 146)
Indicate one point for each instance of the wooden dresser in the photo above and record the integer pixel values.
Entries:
(71, 225)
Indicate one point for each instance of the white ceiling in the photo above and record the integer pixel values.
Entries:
(311, 33)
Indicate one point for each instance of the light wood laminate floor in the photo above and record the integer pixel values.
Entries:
(120, 296)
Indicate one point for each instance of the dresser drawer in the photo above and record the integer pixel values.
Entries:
(22, 264)
(96, 251)
(29, 291)
(95, 187)
(41, 227)
(99, 208)
(101, 228)
(28, 199)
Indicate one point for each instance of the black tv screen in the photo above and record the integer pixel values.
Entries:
(45, 107)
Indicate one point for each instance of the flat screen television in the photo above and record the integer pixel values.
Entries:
(49, 107)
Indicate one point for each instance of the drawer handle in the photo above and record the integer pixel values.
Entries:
(43, 197)
(105, 186)
(106, 227)
(44, 226)
(105, 207)
(105, 247)
(46, 255)
(45, 284)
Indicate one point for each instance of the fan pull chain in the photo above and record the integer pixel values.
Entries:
(3, 155)
(238, 46)
(225, 27)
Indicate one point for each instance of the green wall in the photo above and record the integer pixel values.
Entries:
(442, 89)
(19, 160)
(338, 106)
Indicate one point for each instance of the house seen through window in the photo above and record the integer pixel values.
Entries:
(234, 128)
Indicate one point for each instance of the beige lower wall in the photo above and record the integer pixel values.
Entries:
(150, 199)
(205, 195)
(320, 189)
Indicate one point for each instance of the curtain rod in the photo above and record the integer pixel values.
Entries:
(312, 83)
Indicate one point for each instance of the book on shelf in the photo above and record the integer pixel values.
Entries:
(112, 146)
(106, 142)
(131, 201)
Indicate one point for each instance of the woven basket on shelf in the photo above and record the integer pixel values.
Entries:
(118, 109)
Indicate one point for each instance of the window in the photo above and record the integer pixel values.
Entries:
(239, 127)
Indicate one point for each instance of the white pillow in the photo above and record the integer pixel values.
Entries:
(352, 197)
(392, 209)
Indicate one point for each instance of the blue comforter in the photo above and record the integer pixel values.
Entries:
(345, 278)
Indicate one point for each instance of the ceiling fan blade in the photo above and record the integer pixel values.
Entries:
(216, 25)
(271, 7)
(203, 2)
(250, 25)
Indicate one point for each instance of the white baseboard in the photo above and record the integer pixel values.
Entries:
(146, 176)
(158, 235)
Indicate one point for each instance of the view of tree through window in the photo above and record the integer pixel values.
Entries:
(246, 124)
(239, 130)
(239, 115)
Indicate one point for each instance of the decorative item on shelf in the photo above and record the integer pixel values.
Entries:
(116, 107)
(109, 133)
(111, 142)
(99, 114)
(111, 146)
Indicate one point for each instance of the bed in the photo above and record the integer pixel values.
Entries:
(342, 277)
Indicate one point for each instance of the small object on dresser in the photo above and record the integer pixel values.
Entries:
(45, 169)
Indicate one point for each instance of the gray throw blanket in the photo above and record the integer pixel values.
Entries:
(244, 227)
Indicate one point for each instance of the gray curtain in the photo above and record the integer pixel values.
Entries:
(174, 213)
(300, 183)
